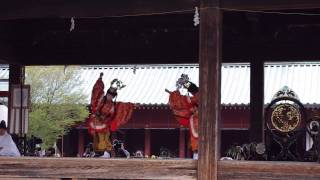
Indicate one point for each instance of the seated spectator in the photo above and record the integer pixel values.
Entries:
(7, 146)
(120, 151)
(50, 152)
(89, 152)
(138, 154)
(106, 155)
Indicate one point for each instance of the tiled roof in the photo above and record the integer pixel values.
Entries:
(4, 76)
(4, 72)
(146, 83)
(303, 78)
(235, 84)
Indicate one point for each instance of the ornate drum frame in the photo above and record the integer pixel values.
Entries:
(285, 132)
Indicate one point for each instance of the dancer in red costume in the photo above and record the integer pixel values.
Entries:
(107, 115)
(185, 109)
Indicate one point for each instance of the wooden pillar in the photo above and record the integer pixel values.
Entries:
(182, 143)
(147, 142)
(80, 142)
(256, 101)
(16, 76)
(210, 67)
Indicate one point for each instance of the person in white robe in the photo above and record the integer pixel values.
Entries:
(7, 146)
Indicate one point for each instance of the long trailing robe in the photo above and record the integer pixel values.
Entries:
(186, 112)
(107, 115)
(185, 108)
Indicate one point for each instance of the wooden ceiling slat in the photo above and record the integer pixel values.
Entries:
(17, 9)
(270, 4)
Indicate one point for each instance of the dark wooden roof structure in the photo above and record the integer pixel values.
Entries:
(143, 31)
(37, 33)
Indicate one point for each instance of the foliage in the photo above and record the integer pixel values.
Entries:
(56, 105)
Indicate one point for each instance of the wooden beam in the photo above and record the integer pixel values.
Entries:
(252, 170)
(101, 40)
(256, 101)
(270, 4)
(210, 58)
(4, 94)
(16, 76)
(97, 168)
(15, 9)
(29, 178)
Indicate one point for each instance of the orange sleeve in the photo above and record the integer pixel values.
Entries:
(123, 114)
(180, 107)
(97, 95)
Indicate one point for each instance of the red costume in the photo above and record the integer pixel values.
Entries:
(106, 114)
(185, 109)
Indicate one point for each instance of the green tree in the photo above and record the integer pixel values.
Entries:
(57, 102)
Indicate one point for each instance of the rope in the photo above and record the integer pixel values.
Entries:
(204, 8)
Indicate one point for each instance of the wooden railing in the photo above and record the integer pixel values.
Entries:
(81, 168)
(253, 170)
(96, 168)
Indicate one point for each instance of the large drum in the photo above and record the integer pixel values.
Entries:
(286, 126)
